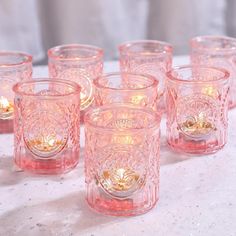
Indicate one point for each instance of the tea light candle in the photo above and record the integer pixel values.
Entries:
(197, 126)
(79, 63)
(217, 51)
(197, 98)
(122, 170)
(6, 108)
(148, 57)
(14, 67)
(47, 135)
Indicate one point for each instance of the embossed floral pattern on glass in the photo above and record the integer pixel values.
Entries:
(136, 89)
(47, 123)
(122, 159)
(197, 98)
(148, 57)
(218, 51)
(14, 67)
(79, 63)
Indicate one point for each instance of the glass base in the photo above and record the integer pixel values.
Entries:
(195, 146)
(137, 204)
(46, 167)
(6, 126)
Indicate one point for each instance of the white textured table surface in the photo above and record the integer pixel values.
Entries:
(197, 196)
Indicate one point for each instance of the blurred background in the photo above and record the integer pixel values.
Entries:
(34, 26)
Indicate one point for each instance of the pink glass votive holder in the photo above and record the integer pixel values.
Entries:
(197, 98)
(136, 89)
(14, 67)
(148, 57)
(217, 51)
(122, 159)
(79, 63)
(46, 124)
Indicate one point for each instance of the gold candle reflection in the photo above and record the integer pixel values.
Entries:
(197, 126)
(123, 139)
(120, 179)
(45, 145)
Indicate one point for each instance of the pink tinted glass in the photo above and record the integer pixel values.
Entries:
(122, 159)
(217, 51)
(136, 89)
(14, 67)
(79, 63)
(47, 123)
(197, 99)
(148, 57)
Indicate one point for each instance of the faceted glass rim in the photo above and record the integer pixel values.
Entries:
(97, 81)
(18, 87)
(88, 122)
(177, 79)
(53, 52)
(25, 58)
(125, 47)
(197, 43)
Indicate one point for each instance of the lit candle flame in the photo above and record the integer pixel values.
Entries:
(4, 102)
(210, 91)
(6, 108)
(137, 99)
(82, 96)
(51, 142)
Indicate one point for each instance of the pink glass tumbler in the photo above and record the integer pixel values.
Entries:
(79, 63)
(14, 67)
(217, 51)
(197, 108)
(47, 123)
(122, 159)
(148, 57)
(136, 89)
